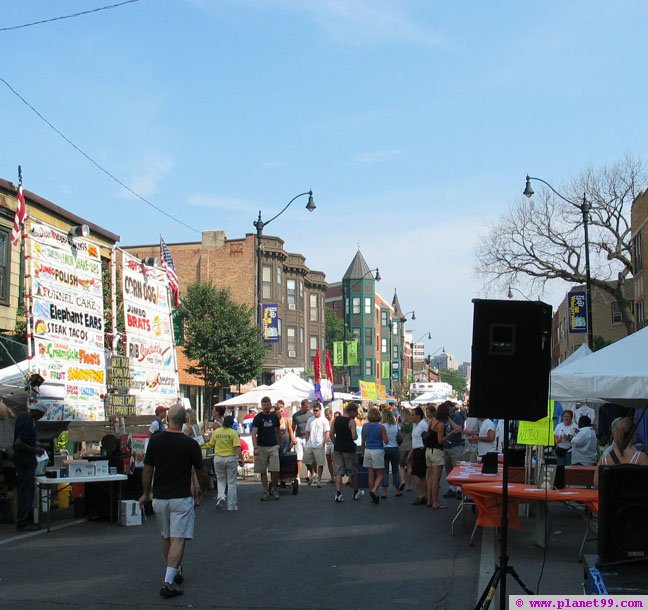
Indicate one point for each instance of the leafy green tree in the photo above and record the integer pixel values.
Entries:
(455, 379)
(220, 337)
(334, 328)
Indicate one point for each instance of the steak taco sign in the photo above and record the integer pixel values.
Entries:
(67, 322)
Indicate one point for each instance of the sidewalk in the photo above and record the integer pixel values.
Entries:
(556, 570)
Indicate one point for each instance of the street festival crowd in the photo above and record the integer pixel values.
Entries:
(413, 445)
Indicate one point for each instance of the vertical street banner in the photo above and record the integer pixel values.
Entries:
(338, 353)
(385, 369)
(577, 312)
(149, 335)
(67, 323)
(352, 353)
(118, 401)
(270, 322)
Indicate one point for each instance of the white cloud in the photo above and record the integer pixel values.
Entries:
(350, 22)
(151, 170)
(378, 156)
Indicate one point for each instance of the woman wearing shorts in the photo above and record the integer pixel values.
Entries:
(374, 438)
(416, 459)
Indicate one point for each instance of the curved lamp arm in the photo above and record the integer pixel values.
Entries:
(528, 192)
(310, 206)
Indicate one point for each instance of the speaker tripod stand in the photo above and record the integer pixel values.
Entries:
(503, 569)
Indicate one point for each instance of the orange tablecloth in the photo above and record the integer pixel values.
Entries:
(462, 474)
(488, 498)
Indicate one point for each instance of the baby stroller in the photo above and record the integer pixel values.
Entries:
(288, 472)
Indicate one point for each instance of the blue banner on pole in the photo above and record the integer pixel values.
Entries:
(577, 312)
(270, 322)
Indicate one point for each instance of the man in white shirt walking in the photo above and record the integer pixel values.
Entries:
(317, 435)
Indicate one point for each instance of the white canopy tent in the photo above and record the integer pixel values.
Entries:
(254, 396)
(13, 381)
(617, 373)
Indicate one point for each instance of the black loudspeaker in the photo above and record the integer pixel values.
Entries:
(559, 480)
(623, 513)
(489, 462)
(511, 359)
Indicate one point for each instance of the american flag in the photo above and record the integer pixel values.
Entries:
(172, 276)
(21, 211)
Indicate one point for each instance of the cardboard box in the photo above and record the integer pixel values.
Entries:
(101, 468)
(81, 469)
(130, 513)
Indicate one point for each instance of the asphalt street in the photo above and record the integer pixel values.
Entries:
(301, 552)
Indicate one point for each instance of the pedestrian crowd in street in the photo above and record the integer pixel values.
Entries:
(405, 449)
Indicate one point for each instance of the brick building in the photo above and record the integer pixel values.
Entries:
(606, 323)
(286, 281)
(639, 227)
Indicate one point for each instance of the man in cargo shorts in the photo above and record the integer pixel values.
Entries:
(174, 458)
(266, 440)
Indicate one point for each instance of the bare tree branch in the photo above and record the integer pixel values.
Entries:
(542, 238)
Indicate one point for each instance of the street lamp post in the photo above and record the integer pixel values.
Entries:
(585, 208)
(347, 320)
(259, 225)
(429, 336)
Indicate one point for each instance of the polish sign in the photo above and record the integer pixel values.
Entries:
(67, 323)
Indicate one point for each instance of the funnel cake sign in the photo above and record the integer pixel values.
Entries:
(67, 323)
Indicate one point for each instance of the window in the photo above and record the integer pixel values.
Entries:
(279, 277)
(291, 335)
(335, 304)
(301, 336)
(5, 266)
(383, 346)
(355, 302)
(302, 303)
(395, 352)
(267, 282)
(384, 320)
(369, 367)
(368, 333)
(312, 344)
(638, 254)
(314, 307)
(394, 327)
(367, 307)
(280, 342)
(291, 287)
(616, 314)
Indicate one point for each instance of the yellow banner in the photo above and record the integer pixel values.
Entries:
(539, 432)
(368, 390)
(381, 391)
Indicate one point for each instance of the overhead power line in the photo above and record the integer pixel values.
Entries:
(89, 158)
(94, 10)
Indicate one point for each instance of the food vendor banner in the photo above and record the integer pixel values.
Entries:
(67, 323)
(149, 335)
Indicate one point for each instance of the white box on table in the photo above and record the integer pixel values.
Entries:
(130, 513)
(101, 468)
(81, 470)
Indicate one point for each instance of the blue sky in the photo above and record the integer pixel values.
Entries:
(413, 121)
